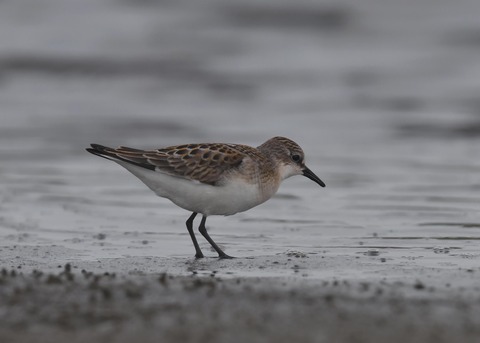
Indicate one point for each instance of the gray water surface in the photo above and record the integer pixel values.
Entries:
(383, 97)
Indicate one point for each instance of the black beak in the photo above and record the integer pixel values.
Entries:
(308, 173)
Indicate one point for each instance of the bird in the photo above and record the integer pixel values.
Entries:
(213, 178)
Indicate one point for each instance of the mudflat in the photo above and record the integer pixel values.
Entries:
(383, 98)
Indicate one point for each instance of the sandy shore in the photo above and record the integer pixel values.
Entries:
(383, 97)
(97, 302)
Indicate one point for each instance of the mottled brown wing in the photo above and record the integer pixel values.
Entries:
(205, 163)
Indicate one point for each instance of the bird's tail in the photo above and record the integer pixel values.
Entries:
(103, 151)
(121, 154)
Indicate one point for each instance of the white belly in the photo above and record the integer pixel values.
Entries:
(228, 199)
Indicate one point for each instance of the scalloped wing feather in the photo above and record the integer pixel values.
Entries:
(205, 163)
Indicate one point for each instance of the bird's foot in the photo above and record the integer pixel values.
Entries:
(225, 256)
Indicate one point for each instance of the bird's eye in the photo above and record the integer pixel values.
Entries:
(296, 158)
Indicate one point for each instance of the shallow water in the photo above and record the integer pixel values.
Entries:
(382, 97)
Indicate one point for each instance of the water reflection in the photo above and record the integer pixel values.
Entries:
(385, 106)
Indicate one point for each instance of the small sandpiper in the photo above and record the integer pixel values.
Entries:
(213, 178)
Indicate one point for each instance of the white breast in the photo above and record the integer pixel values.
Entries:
(232, 197)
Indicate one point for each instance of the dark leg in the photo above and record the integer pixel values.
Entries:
(198, 252)
(204, 233)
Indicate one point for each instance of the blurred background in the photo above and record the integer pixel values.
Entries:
(384, 97)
